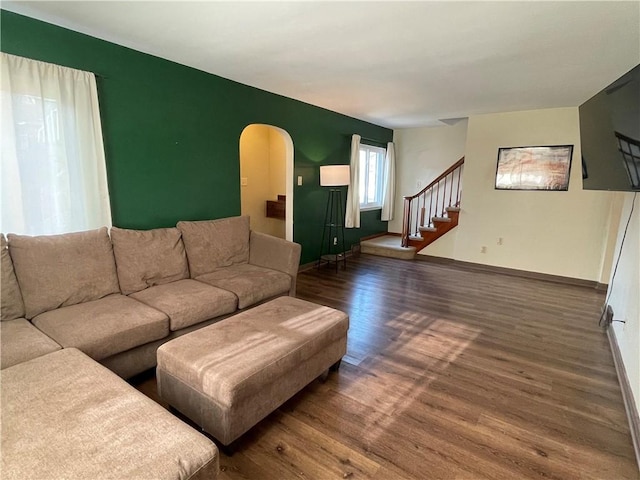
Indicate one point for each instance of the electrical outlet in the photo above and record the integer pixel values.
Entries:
(299, 180)
(483, 249)
(335, 240)
(608, 317)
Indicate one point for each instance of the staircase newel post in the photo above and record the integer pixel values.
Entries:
(451, 189)
(444, 196)
(430, 208)
(406, 221)
(458, 189)
(415, 230)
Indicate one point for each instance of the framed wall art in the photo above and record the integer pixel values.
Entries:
(534, 168)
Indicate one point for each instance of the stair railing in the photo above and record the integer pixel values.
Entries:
(432, 201)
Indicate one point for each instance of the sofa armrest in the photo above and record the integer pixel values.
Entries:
(275, 253)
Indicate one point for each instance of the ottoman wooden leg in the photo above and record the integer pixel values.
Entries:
(336, 366)
(324, 375)
(228, 450)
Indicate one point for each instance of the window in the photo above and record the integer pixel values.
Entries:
(53, 166)
(371, 176)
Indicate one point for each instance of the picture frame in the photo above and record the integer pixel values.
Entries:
(534, 168)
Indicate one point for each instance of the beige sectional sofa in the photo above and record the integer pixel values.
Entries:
(114, 299)
(117, 298)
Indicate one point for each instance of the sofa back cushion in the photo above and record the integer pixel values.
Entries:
(212, 244)
(11, 305)
(145, 258)
(60, 270)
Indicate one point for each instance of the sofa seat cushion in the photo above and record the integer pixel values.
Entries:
(250, 283)
(66, 416)
(60, 270)
(20, 341)
(212, 244)
(145, 258)
(11, 305)
(104, 327)
(187, 302)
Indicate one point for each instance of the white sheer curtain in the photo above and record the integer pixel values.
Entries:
(53, 166)
(352, 214)
(389, 184)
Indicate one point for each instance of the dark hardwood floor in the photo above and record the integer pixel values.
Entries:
(451, 374)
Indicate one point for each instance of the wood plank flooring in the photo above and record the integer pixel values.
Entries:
(449, 374)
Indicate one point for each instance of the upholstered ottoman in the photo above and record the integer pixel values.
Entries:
(230, 375)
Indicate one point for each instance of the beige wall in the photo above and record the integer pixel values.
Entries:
(611, 236)
(262, 164)
(557, 233)
(624, 291)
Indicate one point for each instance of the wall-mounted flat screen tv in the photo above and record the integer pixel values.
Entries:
(610, 136)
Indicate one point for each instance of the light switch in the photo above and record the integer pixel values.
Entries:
(244, 181)
(299, 180)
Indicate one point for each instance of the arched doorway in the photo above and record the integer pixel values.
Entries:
(266, 174)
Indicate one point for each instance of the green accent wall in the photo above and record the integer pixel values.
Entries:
(172, 132)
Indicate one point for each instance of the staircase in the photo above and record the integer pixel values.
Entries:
(428, 215)
(434, 210)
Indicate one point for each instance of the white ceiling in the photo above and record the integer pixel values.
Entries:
(396, 64)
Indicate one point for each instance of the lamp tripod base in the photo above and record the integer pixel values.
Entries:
(332, 249)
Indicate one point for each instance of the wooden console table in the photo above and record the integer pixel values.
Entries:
(277, 208)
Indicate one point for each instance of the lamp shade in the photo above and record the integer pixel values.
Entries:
(334, 175)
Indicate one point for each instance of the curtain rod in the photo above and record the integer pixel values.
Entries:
(373, 140)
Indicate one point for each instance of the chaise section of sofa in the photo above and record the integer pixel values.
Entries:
(66, 416)
(19, 339)
(220, 253)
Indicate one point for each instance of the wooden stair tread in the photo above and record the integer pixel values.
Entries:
(430, 234)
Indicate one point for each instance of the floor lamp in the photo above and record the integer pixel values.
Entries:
(333, 230)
